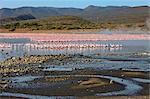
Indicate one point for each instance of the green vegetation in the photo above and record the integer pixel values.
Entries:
(11, 26)
(57, 22)
(92, 17)
(65, 23)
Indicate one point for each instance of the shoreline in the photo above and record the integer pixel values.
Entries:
(91, 97)
(76, 31)
(50, 31)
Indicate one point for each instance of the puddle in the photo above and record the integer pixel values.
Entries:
(141, 80)
(35, 96)
(21, 79)
(130, 89)
(58, 68)
(138, 69)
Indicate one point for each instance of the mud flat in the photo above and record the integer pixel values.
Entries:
(118, 97)
(43, 63)
(72, 76)
(92, 85)
(27, 64)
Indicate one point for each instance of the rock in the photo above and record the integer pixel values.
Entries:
(3, 84)
(13, 58)
(40, 66)
(122, 75)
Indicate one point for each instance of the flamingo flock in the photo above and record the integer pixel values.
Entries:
(76, 37)
(52, 41)
(5, 45)
(61, 45)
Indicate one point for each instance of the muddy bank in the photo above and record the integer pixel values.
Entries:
(117, 97)
(72, 75)
(62, 86)
(43, 63)
(35, 63)
(80, 83)
(94, 97)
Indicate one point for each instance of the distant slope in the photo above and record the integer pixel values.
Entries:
(110, 14)
(38, 12)
(116, 14)
(18, 18)
(55, 22)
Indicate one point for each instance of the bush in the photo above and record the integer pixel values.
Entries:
(17, 25)
(12, 29)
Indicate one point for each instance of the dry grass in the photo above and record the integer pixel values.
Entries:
(91, 82)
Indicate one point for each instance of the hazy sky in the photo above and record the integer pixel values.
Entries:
(70, 3)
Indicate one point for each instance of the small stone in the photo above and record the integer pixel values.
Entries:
(13, 58)
(122, 75)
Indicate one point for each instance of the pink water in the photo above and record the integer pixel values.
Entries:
(76, 37)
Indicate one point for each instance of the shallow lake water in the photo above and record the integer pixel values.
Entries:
(18, 47)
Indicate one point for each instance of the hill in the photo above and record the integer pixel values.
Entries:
(53, 22)
(111, 14)
(18, 18)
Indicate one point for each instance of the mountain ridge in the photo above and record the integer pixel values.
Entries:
(111, 14)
